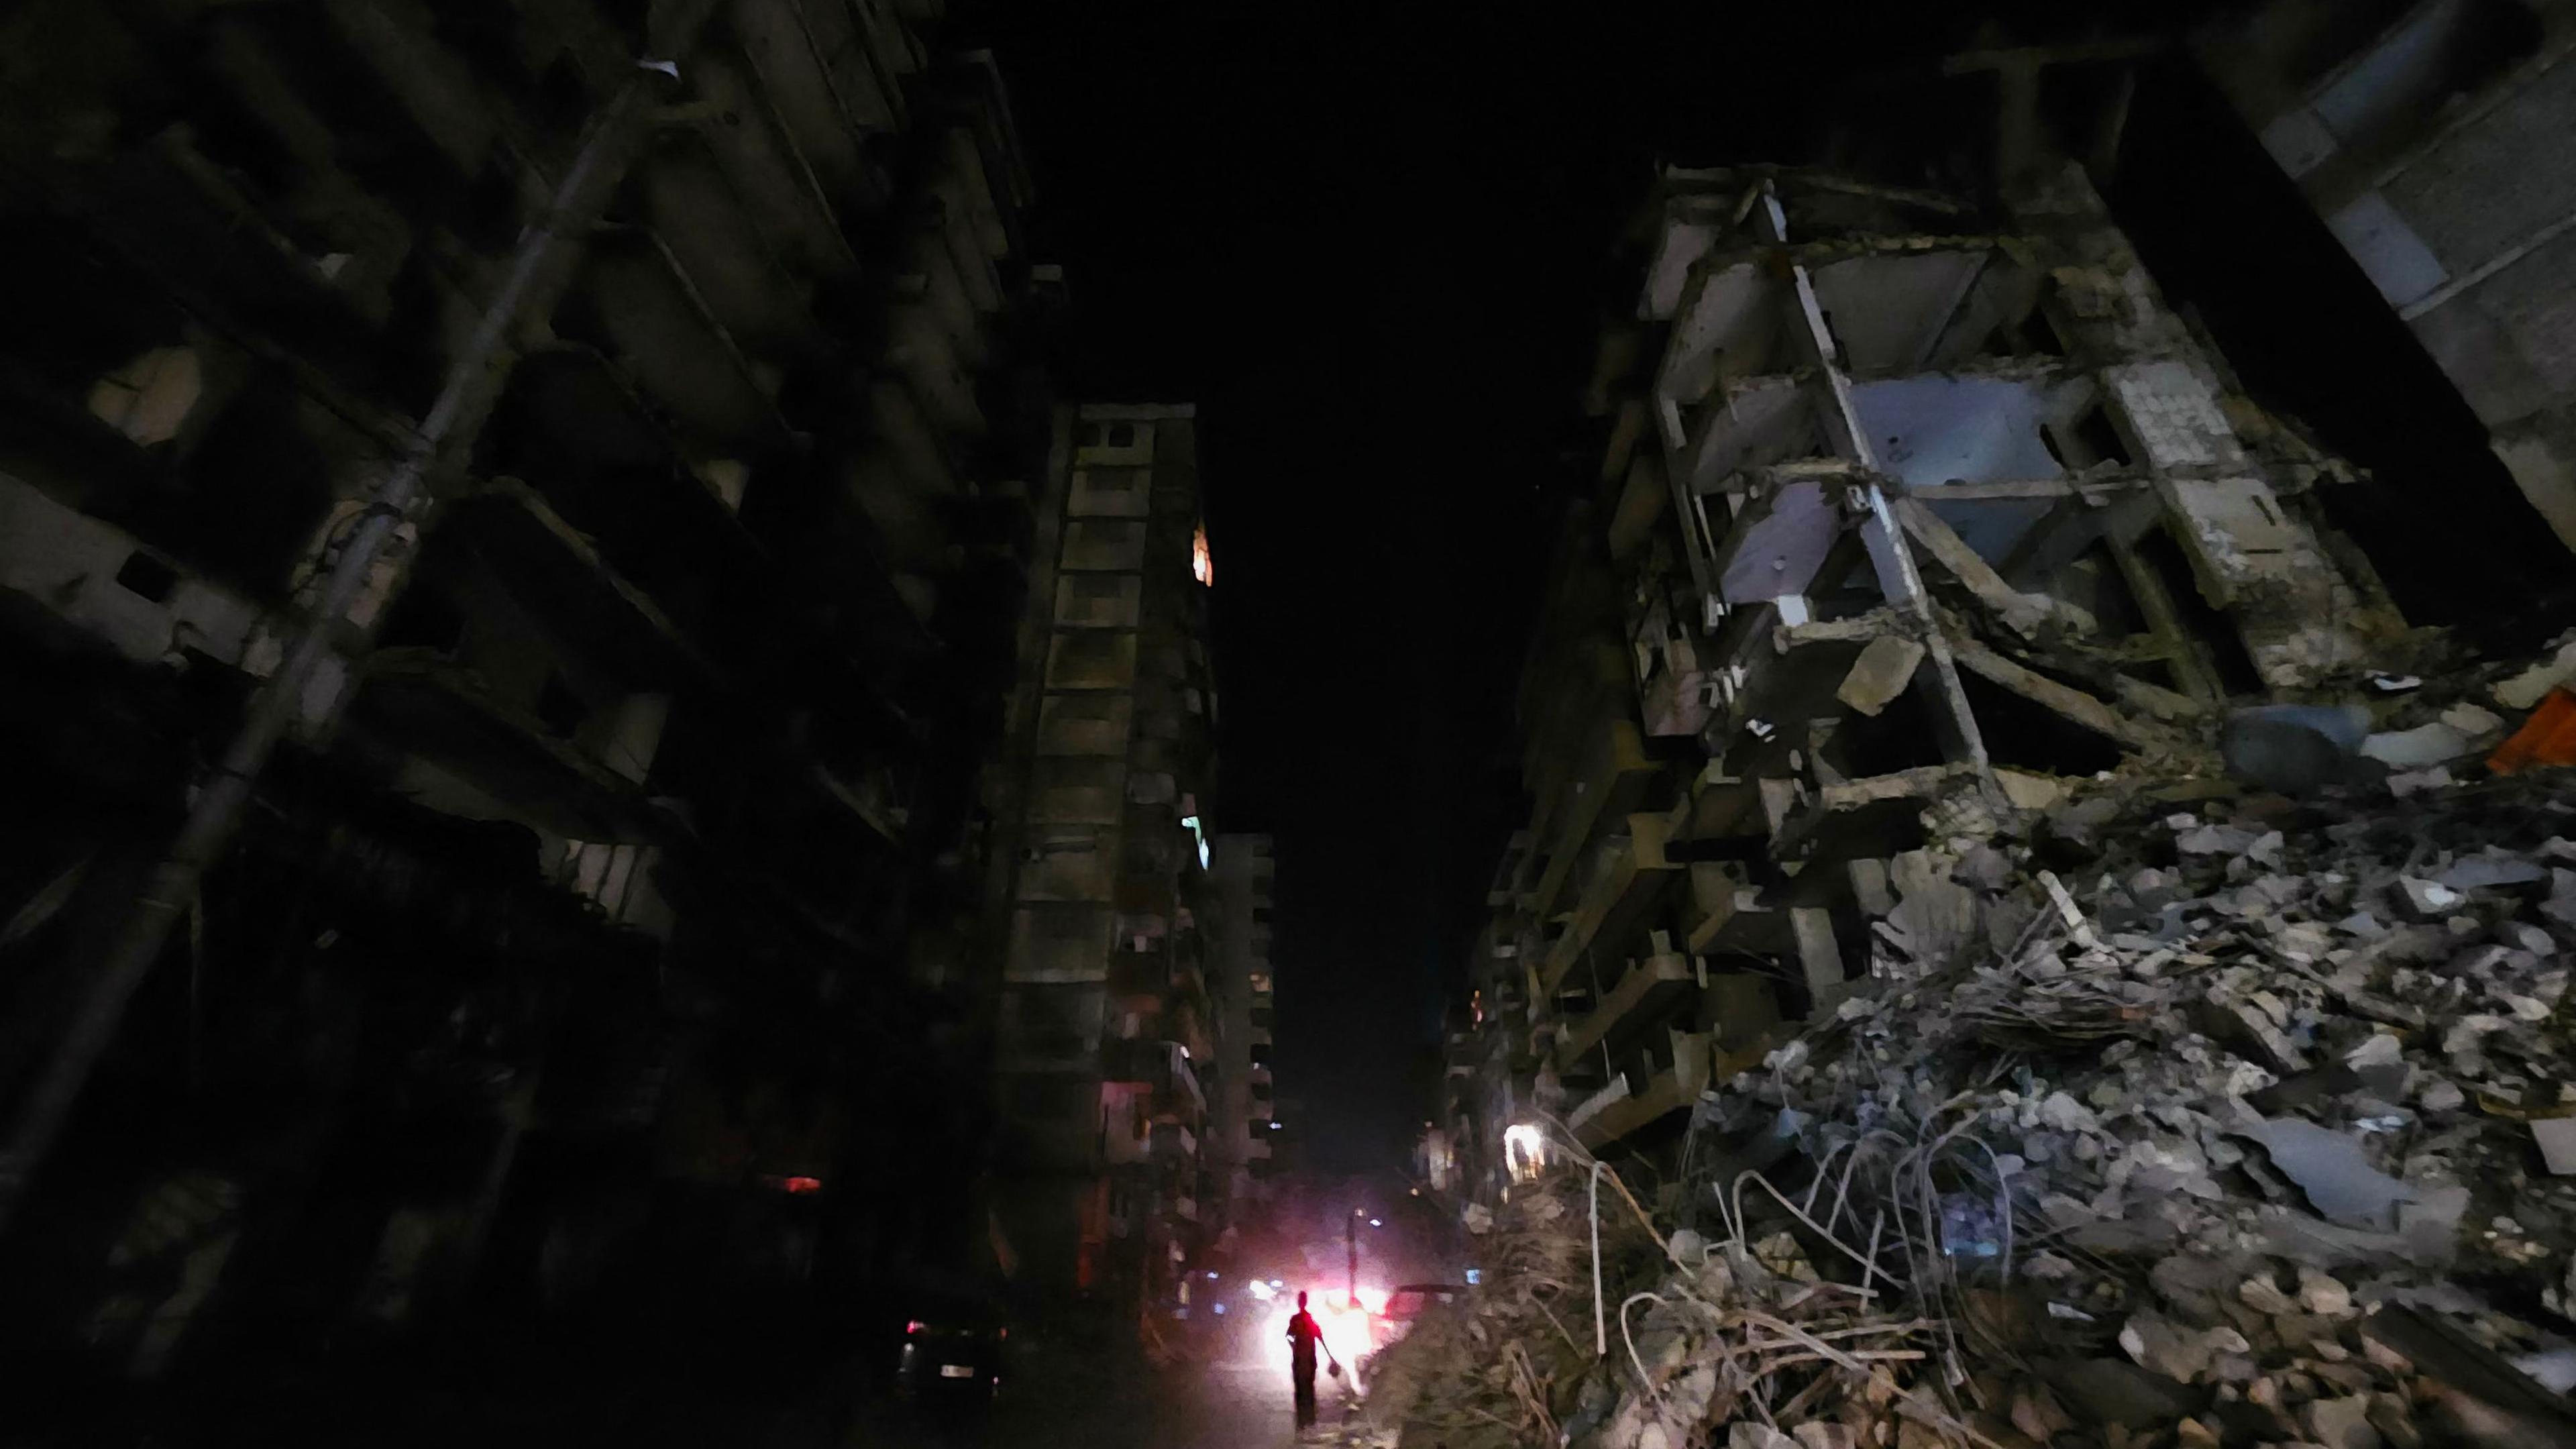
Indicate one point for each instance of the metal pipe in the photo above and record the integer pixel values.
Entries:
(473, 384)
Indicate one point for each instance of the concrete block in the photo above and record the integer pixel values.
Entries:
(1881, 673)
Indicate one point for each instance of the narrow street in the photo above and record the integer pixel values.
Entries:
(1240, 1403)
(881, 724)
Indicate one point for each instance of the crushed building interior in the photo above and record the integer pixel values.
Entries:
(615, 755)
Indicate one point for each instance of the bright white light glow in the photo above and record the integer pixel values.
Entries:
(1347, 1329)
(1375, 1223)
(1260, 1290)
(1524, 1151)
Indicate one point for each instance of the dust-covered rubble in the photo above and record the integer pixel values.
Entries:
(2172, 1121)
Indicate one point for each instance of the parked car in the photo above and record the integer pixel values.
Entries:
(1405, 1304)
(953, 1352)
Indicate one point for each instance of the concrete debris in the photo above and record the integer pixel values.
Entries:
(2144, 1147)
(2477, 724)
(1881, 673)
(2332, 1170)
(2529, 687)
(2556, 1137)
(2427, 900)
(2294, 749)
(2414, 782)
(2415, 749)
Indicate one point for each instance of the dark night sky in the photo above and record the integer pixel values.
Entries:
(1374, 248)
(1370, 264)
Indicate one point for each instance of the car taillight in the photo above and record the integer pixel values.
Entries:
(912, 1328)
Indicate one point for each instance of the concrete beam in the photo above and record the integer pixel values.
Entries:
(2029, 615)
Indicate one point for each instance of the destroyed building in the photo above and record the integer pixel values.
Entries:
(1108, 1032)
(1908, 507)
(601, 450)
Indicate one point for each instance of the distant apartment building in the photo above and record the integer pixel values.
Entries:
(1106, 1030)
(1246, 1110)
(1908, 505)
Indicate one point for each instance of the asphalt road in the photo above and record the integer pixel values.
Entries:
(1063, 1403)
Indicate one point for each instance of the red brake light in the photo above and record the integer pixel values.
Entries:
(912, 1327)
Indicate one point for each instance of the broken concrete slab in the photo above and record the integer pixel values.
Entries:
(1881, 673)
(2415, 749)
(2528, 688)
(2329, 1167)
(2293, 749)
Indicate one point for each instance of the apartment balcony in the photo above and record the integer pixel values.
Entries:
(1645, 988)
(559, 574)
(1637, 1099)
(1614, 772)
(1140, 981)
(1164, 1070)
(1175, 1143)
(444, 713)
(1634, 870)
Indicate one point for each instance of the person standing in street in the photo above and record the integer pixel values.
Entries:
(1304, 1335)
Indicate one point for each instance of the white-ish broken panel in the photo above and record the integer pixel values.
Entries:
(1888, 309)
(1764, 421)
(1938, 429)
(1727, 330)
(1677, 250)
(2298, 141)
(2397, 261)
(1778, 543)
(69, 562)
(2174, 414)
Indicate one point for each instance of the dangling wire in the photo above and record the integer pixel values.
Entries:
(1600, 1321)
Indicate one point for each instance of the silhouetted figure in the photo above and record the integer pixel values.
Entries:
(1303, 1336)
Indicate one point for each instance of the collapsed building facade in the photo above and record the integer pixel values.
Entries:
(1910, 509)
(604, 452)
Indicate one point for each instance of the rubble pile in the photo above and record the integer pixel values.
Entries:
(2185, 1119)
